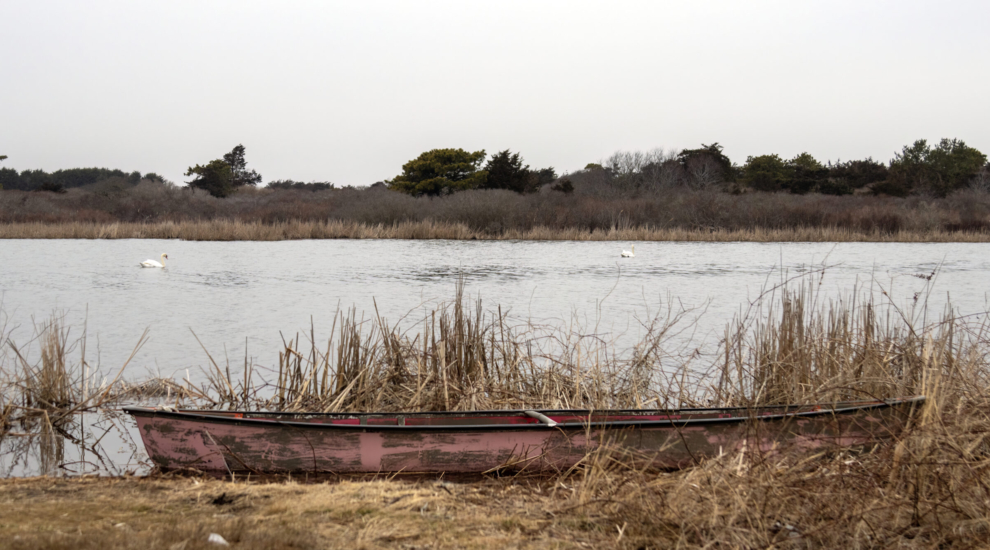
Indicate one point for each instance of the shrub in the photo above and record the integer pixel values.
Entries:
(938, 170)
(765, 172)
(290, 184)
(441, 171)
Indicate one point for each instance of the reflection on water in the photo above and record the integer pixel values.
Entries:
(103, 443)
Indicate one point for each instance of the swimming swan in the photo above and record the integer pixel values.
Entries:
(153, 263)
(629, 253)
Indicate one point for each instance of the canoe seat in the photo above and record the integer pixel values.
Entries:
(541, 417)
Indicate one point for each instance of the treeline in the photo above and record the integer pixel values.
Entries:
(925, 188)
(61, 180)
(300, 186)
(919, 169)
(934, 170)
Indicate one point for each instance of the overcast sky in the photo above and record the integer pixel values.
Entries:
(348, 92)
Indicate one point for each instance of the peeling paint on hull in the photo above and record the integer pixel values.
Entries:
(221, 442)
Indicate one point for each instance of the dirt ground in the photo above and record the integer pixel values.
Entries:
(180, 513)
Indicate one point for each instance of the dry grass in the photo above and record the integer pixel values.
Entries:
(795, 347)
(791, 346)
(930, 487)
(109, 514)
(37, 397)
(927, 491)
(40, 401)
(232, 230)
(458, 357)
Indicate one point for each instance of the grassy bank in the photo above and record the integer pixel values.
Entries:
(231, 230)
(111, 514)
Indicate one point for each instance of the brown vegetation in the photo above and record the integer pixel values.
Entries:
(928, 488)
(226, 230)
(169, 514)
(154, 209)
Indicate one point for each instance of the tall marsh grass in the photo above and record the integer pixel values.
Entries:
(797, 347)
(458, 357)
(929, 487)
(231, 230)
(53, 383)
(791, 346)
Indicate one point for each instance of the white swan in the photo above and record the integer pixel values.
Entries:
(153, 263)
(629, 253)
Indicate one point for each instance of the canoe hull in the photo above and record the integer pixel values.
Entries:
(223, 444)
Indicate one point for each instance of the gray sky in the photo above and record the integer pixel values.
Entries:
(348, 92)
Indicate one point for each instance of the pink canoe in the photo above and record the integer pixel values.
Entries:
(486, 441)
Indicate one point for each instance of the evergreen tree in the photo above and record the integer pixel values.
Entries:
(216, 178)
(765, 172)
(804, 174)
(220, 181)
(440, 172)
(238, 166)
(938, 170)
(507, 171)
(846, 177)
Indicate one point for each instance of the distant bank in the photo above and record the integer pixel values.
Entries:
(234, 230)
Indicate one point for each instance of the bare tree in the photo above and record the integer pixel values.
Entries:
(661, 171)
(704, 172)
(639, 169)
(981, 181)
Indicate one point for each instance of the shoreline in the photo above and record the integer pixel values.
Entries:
(232, 230)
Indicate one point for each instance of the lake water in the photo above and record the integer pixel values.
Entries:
(230, 293)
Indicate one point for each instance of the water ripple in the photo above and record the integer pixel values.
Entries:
(227, 292)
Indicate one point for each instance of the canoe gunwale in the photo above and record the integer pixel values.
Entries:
(756, 413)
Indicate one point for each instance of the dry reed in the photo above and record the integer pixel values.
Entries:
(790, 347)
(44, 397)
(233, 230)
(48, 385)
(928, 488)
(795, 348)
(461, 358)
